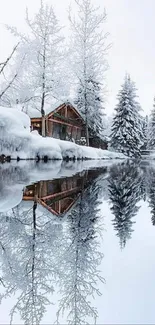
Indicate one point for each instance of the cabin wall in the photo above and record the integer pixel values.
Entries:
(63, 124)
(63, 131)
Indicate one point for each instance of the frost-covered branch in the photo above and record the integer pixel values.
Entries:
(8, 59)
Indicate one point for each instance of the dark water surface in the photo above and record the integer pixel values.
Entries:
(77, 246)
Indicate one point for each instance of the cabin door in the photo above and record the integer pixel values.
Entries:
(63, 132)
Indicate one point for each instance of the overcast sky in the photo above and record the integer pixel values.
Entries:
(132, 33)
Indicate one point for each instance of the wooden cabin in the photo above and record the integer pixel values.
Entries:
(59, 195)
(64, 123)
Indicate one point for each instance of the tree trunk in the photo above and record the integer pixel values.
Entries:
(43, 131)
(43, 93)
(87, 135)
(86, 119)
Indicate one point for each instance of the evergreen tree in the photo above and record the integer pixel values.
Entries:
(151, 142)
(151, 193)
(145, 132)
(124, 192)
(127, 136)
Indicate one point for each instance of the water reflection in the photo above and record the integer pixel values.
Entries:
(39, 250)
(50, 236)
(81, 259)
(124, 194)
(59, 195)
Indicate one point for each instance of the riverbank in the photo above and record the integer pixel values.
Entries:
(18, 143)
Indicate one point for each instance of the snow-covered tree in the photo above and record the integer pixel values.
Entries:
(124, 194)
(41, 75)
(145, 130)
(81, 259)
(151, 140)
(151, 193)
(94, 104)
(88, 50)
(127, 135)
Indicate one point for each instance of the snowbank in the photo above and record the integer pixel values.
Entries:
(59, 149)
(14, 131)
(16, 140)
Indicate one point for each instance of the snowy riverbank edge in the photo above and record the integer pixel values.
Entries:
(18, 142)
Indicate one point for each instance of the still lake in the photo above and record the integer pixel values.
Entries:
(77, 243)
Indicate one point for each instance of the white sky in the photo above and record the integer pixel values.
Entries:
(132, 32)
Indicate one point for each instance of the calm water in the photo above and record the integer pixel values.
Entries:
(77, 246)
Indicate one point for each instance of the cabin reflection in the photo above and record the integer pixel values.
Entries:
(59, 195)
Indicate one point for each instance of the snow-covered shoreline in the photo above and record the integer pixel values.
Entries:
(18, 142)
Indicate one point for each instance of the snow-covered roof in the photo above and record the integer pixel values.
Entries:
(33, 112)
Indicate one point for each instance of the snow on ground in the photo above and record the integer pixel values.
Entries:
(17, 140)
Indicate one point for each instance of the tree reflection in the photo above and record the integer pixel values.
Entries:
(39, 249)
(29, 263)
(124, 194)
(81, 259)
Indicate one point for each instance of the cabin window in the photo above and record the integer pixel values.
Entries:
(36, 127)
(59, 131)
(56, 130)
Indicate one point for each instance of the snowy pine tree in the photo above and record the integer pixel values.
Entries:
(145, 132)
(124, 193)
(88, 50)
(151, 193)
(151, 141)
(127, 136)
